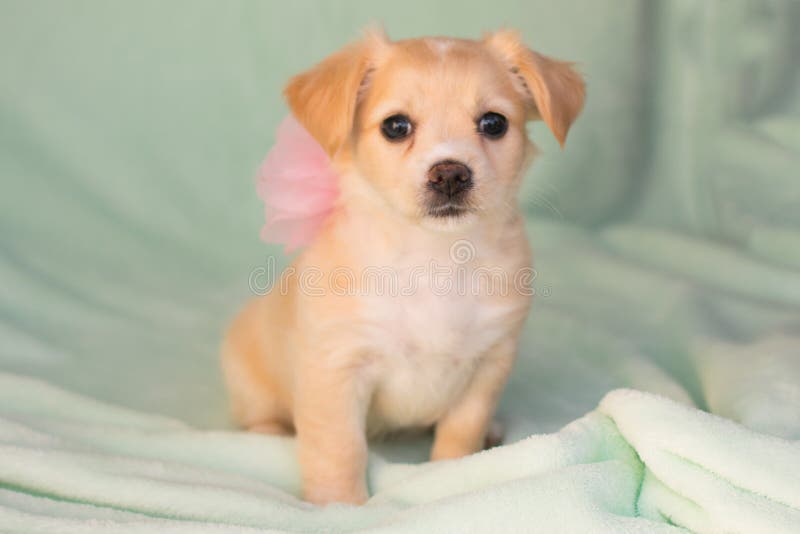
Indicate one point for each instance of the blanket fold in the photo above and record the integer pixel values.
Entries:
(638, 463)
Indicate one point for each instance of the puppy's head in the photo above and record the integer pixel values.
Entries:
(435, 127)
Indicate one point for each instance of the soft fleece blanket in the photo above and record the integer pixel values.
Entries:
(639, 463)
(658, 386)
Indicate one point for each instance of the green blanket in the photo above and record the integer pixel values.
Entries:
(639, 463)
(658, 387)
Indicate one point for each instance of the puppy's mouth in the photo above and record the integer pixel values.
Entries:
(448, 209)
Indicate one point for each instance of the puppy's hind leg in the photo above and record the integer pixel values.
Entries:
(255, 404)
(273, 428)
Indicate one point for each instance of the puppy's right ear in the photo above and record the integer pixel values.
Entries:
(324, 98)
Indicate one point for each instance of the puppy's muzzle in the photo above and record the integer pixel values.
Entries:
(450, 179)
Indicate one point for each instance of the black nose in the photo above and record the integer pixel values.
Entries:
(449, 177)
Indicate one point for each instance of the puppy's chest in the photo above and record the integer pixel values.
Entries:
(433, 326)
(428, 343)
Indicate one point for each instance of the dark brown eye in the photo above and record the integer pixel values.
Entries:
(492, 125)
(396, 127)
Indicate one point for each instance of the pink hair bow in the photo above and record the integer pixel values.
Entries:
(297, 185)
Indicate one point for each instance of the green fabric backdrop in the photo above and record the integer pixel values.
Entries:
(130, 133)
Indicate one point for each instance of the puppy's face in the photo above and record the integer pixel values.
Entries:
(436, 127)
(440, 132)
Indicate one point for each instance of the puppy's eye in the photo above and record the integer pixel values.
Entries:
(492, 125)
(396, 127)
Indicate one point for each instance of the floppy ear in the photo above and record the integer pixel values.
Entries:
(554, 89)
(324, 98)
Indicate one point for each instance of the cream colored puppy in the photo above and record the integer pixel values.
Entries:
(428, 136)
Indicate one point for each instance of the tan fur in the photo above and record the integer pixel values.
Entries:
(337, 368)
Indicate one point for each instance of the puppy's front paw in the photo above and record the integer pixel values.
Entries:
(322, 495)
(450, 443)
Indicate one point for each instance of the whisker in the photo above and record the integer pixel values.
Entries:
(541, 200)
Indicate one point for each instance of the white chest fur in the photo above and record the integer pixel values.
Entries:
(429, 336)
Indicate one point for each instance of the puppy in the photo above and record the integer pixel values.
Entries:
(429, 139)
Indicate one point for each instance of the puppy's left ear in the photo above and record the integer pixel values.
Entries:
(324, 98)
(554, 89)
